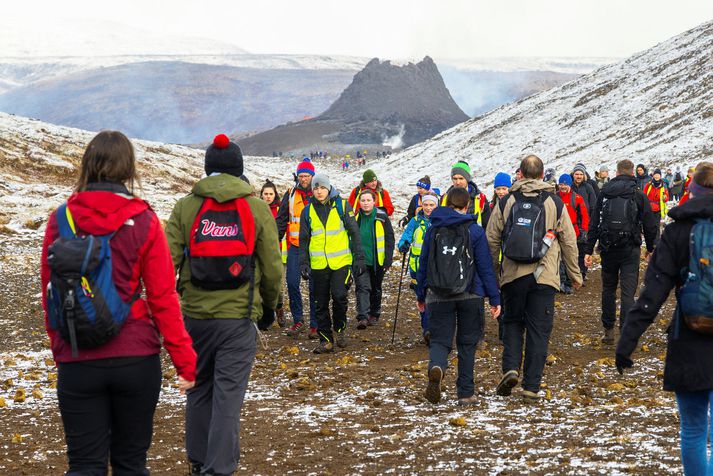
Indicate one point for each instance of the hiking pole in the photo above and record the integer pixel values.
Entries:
(398, 297)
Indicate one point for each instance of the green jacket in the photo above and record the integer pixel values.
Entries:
(230, 303)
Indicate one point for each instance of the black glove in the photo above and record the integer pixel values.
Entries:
(305, 272)
(403, 222)
(359, 269)
(405, 247)
(622, 363)
(268, 317)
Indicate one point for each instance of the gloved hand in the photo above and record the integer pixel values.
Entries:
(268, 317)
(305, 272)
(359, 268)
(403, 222)
(623, 362)
(404, 247)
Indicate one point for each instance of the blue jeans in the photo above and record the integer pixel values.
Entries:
(294, 279)
(465, 320)
(694, 408)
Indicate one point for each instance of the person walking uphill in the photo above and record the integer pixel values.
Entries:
(288, 222)
(328, 229)
(453, 279)
(578, 215)
(529, 272)
(224, 246)
(461, 176)
(268, 193)
(581, 186)
(684, 246)
(377, 240)
(657, 193)
(109, 375)
(370, 182)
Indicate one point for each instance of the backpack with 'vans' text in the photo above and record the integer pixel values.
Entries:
(619, 222)
(695, 297)
(450, 260)
(83, 304)
(526, 226)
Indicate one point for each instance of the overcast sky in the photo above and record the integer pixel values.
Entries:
(396, 28)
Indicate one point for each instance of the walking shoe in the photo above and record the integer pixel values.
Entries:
(433, 391)
(608, 336)
(361, 324)
(324, 347)
(530, 397)
(506, 384)
(280, 316)
(372, 321)
(341, 339)
(313, 333)
(427, 338)
(195, 469)
(467, 401)
(296, 329)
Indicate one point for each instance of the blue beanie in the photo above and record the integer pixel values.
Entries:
(502, 180)
(565, 179)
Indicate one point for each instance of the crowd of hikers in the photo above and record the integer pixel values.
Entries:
(117, 285)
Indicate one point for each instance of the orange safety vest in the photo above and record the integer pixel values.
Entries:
(295, 208)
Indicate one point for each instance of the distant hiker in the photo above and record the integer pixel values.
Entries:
(550, 177)
(423, 186)
(269, 195)
(377, 240)
(412, 242)
(529, 272)
(689, 358)
(369, 181)
(602, 177)
(288, 224)
(677, 185)
(657, 193)
(326, 257)
(579, 216)
(668, 180)
(623, 213)
(223, 242)
(453, 278)
(461, 177)
(109, 367)
(642, 176)
(686, 184)
(582, 187)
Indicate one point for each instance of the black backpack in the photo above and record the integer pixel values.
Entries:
(526, 226)
(450, 260)
(619, 221)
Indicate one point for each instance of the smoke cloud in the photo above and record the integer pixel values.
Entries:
(396, 141)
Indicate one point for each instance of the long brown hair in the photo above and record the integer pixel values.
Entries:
(109, 157)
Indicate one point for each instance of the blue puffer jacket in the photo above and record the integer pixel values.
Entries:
(484, 282)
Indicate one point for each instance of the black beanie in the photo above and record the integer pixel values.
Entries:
(223, 156)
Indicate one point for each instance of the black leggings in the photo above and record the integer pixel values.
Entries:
(107, 409)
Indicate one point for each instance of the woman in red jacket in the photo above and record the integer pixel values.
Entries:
(579, 216)
(269, 195)
(108, 393)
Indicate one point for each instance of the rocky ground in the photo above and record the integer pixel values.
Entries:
(361, 410)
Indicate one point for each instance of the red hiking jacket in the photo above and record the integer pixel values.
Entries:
(578, 213)
(139, 251)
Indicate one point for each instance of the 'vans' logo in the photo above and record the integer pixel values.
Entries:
(447, 250)
(213, 229)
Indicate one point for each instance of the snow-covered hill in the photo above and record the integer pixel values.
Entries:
(655, 107)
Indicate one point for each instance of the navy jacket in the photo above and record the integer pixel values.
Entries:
(484, 282)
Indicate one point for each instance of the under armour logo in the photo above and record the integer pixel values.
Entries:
(447, 250)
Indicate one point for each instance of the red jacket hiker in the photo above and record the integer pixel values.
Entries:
(139, 251)
(383, 199)
(578, 213)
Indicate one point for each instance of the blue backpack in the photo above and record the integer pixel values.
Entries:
(83, 303)
(695, 297)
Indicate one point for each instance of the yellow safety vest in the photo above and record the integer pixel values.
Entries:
(283, 249)
(379, 238)
(477, 209)
(329, 246)
(663, 207)
(416, 245)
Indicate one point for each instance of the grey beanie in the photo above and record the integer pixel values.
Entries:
(580, 168)
(321, 180)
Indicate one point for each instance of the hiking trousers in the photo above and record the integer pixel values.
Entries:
(368, 292)
(294, 280)
(530, 314)
(620, 267)
(226, 351)
(107, 409)
(330, 283)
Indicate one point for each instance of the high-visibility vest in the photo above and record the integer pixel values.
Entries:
(379, 199)
(329, 246)
(295, 208)
(379, 239)
(478, 202)
(416, 245)
(283, 249)
(662, 204)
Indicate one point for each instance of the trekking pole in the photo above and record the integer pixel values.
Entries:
(398, 297)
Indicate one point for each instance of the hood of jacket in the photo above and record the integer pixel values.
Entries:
(446, 216)
(222, 188)
(620, 185)
(104, 208)
(532, 186)
(700, 206)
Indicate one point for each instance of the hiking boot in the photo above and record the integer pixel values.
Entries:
(608, 336)
(372, 321)
(324, 347)
(507, 383)
(313, 333)
(427, 338)
(530, 397)
(296, 329)
(195, 469)
(280, 316)
(467, 401)
(361, 324)
(341, 340)
(433, 391)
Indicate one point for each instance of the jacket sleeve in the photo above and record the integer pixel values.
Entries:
(388, 206)
(175, 236)
(413, 204)
(389, 240)
(421, 284)
(305, 237)
(649, 222)
(407, 235)
(591, 198)
(352, 197)
(51, 234)
(484, 265)
(494, 232)
(158, 276)
(661, 276)
(485, 213)
(568, 244)
(283, 216)
(594, 229)
(585, 214)
(353, 230)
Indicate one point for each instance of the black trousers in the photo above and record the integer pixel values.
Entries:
(330, 283)
(107, 409)
(530, 313)
(368, 290)
(620, 267)
(581, 247)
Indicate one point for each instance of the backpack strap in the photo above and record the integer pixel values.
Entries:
(65, 222)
